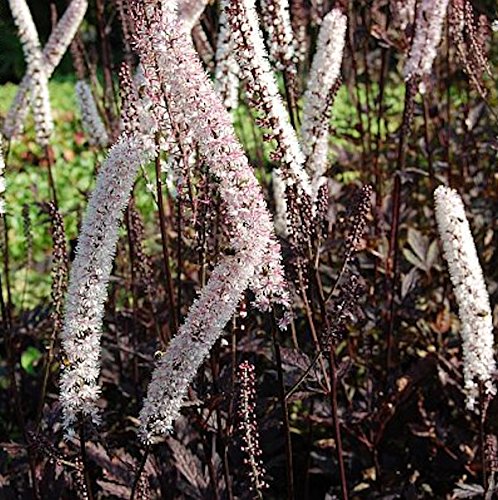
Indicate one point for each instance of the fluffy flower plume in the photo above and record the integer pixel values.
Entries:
(323, 82)
(92, 122)
(262, 86)
(470, 292)
(195, 108)
(276, 19)
(428, 32)
(57, 44)
(227, 70)
(40, 100)
(90, 274)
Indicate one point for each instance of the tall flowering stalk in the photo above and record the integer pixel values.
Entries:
(90, 274)
(195, 108)
(471, 294)
(323, 83)
(40, 100)
(56, 46)
(277, 23)
(263, 90)
(428, 32)
(92, 122)
(249, 428)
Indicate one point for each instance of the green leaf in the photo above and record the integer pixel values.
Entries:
(30, 358)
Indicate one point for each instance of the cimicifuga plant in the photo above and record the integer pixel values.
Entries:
(323, 84)
(91, 270)
(90, 116)
(428, 32)
(40, 100)
(195, 108)
(56, 46)
(470, 291)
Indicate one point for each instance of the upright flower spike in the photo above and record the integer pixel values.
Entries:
(92, 122)
(277, 23)
(57, 44)
(40, 100)
(323, 83)
(91, 270)
(195, 108)
(262, 86)
(470, 291)
(428, 32)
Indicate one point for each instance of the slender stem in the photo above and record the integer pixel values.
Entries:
(49, 155)
(337, 425)
(285, 413)
(84, 458)
(140, 470)
(393, 251)
(165, 248)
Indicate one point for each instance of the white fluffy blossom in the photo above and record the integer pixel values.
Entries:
(196, 109)
(226, 76)
(256, 69)
(90, 274)
(40, 100)
(470, 291)
(56, 46)
(92, 122)
(277, 23)
(428, 32)
(324, 74)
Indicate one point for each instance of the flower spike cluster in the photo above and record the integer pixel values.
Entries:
(470, 291)
(56, 46)
(90, 274)
(92, 122)
(428, 32)
(195, 107)
(323, 82)
(40, 100)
